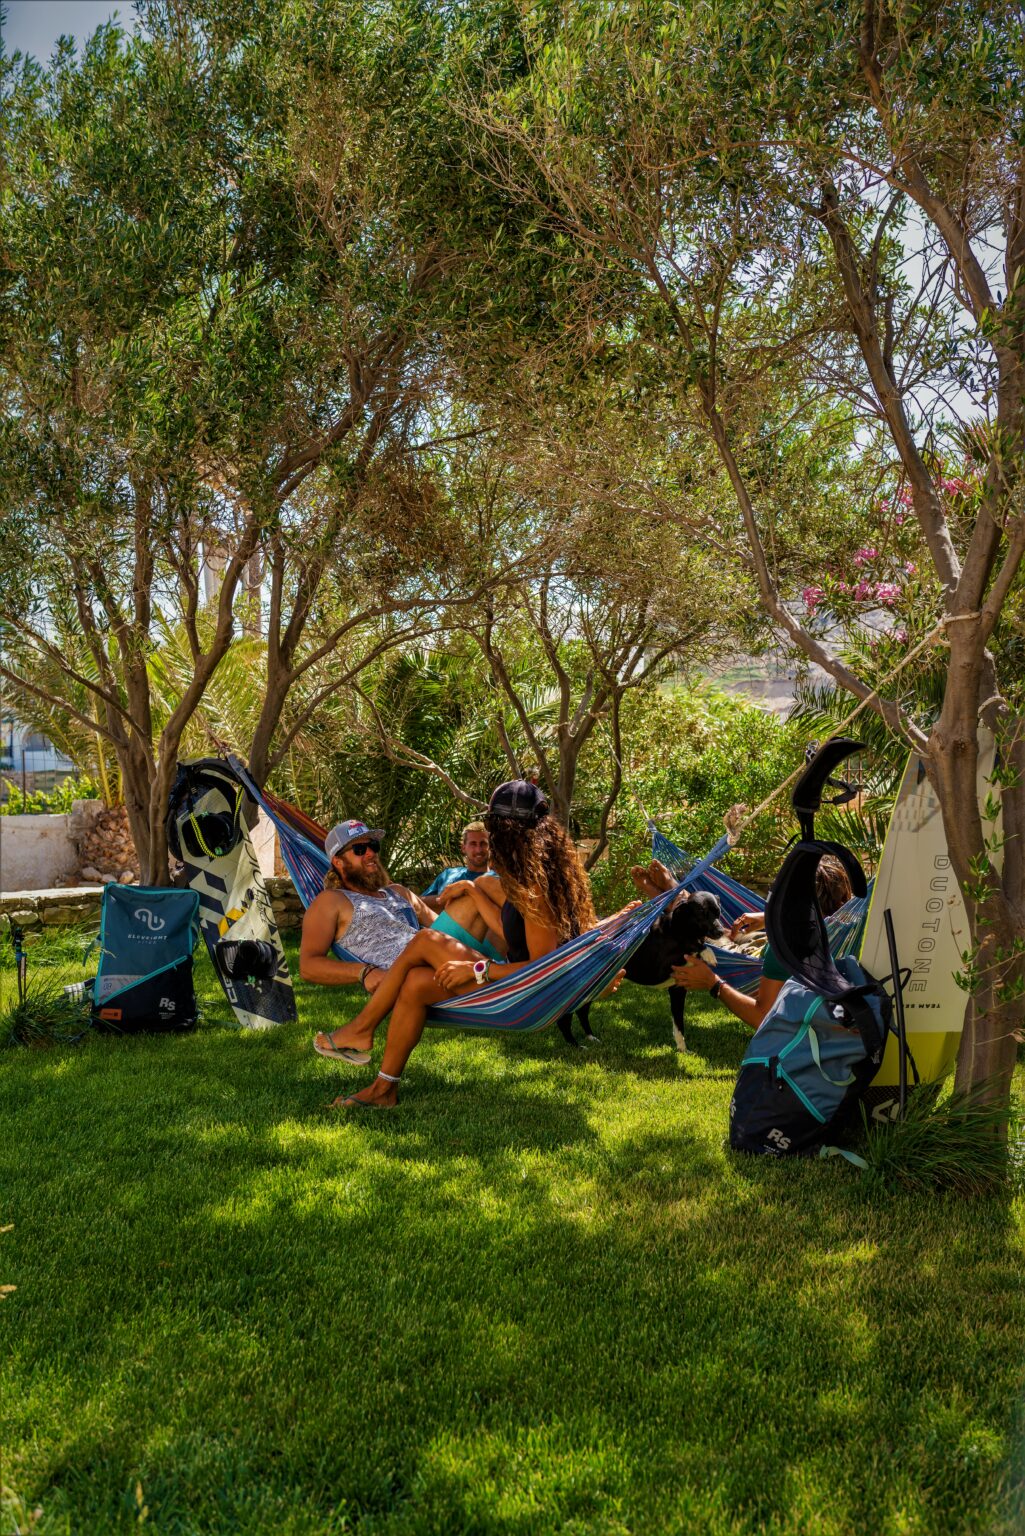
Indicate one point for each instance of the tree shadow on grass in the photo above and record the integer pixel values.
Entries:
(536, 1298)
(510, 1364)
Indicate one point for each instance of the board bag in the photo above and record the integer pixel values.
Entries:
(821, 1044)
(144, 980)
(808, 1065)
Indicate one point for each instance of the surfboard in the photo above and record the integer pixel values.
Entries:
(208, 833)
(917, 883)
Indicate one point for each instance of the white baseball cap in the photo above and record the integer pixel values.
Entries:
(346, 832)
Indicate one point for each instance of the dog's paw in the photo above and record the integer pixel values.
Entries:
(678, 1040)
(707, 955)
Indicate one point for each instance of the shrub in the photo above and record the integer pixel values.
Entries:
(960, 1146)
(40, 802)
(46, 1015)
(689, 755)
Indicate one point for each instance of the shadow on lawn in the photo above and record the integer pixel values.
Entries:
(501, 1309)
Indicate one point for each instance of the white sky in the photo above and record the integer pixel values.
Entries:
(33, 26)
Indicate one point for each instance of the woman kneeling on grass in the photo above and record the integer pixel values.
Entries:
(547, 902)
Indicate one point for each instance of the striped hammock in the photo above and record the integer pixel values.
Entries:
(538, 993)
(846, 926)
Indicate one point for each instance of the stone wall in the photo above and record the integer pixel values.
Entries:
(288, 909)
(70, 906)
(80, 905)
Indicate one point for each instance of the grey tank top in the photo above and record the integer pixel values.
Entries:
(380, 928)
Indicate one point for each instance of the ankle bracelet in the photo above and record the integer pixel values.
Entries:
(388, 1077)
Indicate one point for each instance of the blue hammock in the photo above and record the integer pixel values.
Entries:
(846, 926)
(536, 995)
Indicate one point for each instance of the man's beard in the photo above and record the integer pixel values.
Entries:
(364, 879)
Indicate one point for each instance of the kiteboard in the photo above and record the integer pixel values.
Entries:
(207, 831)
(917, 883)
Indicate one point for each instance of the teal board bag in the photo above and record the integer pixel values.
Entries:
(144, 980)
(807, 1066)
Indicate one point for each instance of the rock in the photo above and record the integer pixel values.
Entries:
(90, 874)
(53, 917)
(26, 919)
(126, 877)
(108, 880)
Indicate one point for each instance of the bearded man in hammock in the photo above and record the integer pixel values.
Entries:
(541, 899)
(368, 914)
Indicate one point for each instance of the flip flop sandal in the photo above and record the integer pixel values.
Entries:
(347, 1053)
(353, 1103)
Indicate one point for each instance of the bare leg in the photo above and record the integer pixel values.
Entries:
(426, 949)
(463, 910)
(419, 991)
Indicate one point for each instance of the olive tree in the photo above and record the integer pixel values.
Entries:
(769, 211)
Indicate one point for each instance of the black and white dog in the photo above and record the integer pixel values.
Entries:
(683, 929)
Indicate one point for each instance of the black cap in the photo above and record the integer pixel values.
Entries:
(519, 801)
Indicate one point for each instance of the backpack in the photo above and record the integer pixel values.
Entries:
(144, 980)
(821, 1044)
(808, 1065)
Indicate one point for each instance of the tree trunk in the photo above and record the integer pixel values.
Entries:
(137, 780)
(988, 1050)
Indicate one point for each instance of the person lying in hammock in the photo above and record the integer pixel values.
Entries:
(832, 891)
(546, 900)
(371, 916)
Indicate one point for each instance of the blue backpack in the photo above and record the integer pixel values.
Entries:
(808, 1065)
(144, 980)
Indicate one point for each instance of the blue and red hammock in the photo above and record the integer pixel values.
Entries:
(575, 973)
(845, 927)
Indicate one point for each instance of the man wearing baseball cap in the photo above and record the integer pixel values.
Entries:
(370, 916)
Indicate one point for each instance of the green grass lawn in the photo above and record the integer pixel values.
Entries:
(540, 1296)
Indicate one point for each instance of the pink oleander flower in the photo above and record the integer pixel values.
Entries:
(887, 593)
(865, 555)
(812, 597)
(862, 590)
(910, 568)
(901, 636)
(905, 498)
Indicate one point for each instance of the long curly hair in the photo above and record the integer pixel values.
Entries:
(541, 873)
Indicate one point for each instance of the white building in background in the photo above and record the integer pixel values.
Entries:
(25, 751)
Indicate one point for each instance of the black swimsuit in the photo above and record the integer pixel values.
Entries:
(515, 930)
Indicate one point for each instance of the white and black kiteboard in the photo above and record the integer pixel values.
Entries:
(208, 833)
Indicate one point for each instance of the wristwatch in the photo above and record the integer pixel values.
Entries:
(716, 987)
(481, 971)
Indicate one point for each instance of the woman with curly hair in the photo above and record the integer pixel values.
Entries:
(540, 899)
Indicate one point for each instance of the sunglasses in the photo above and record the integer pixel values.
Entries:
(362, 849)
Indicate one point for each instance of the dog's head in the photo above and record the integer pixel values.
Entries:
(693, 922)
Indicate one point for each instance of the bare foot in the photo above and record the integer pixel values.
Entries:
(642, 880)
(659, 876)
